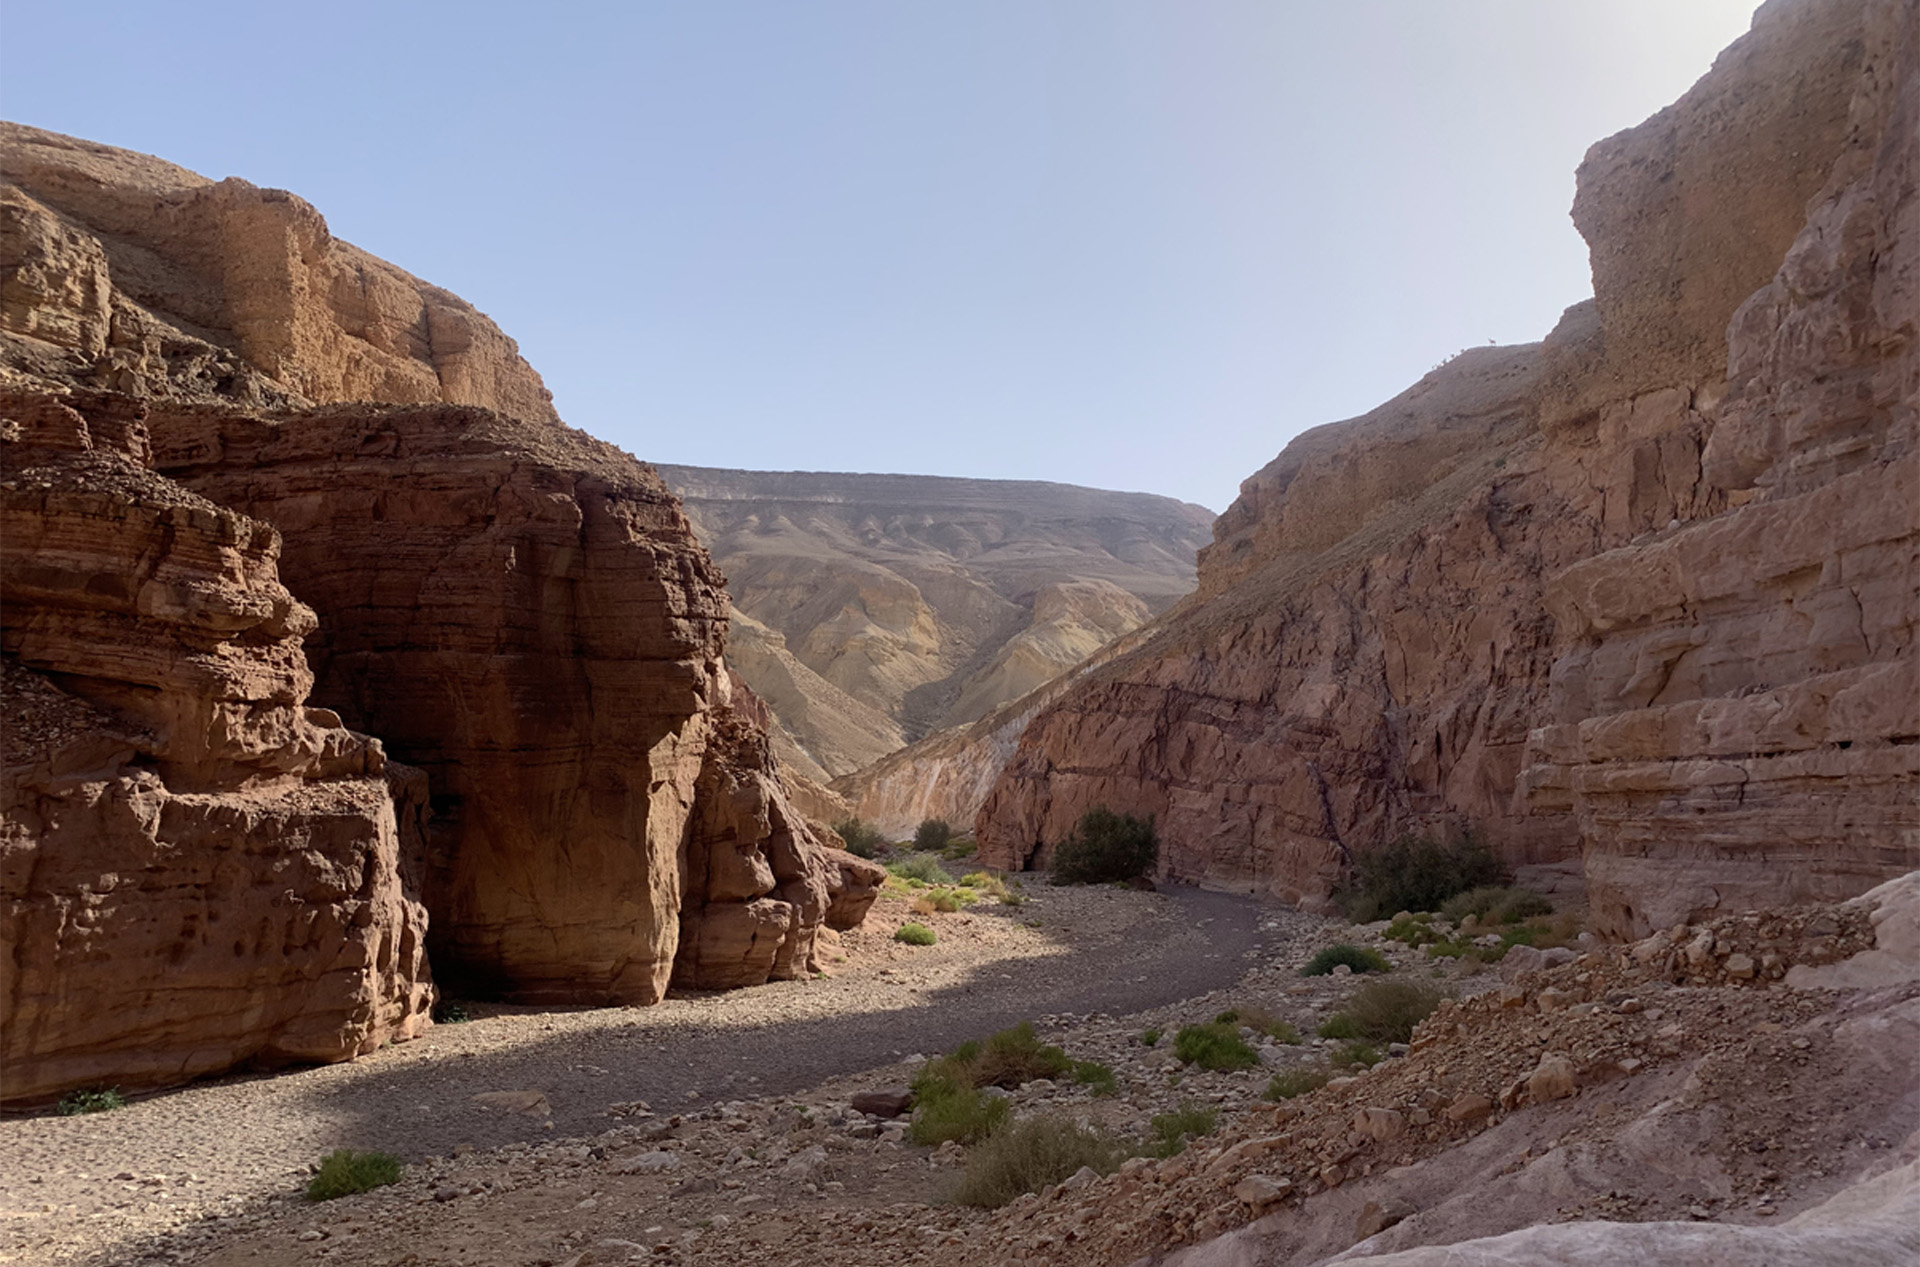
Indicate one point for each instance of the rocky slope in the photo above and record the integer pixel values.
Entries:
(928, 600)
(197, 868)
(1644, 593)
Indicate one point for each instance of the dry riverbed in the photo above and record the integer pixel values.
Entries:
(174, 1177)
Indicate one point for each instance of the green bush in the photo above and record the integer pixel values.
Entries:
(1386, 1011)
(1169, 1132)
(932, 835)
(915, 935)
(937, 901)
(1416, 873)
(1214, 1046)
(1358, 1054)
(959, 849)
(946, 1109)
(1105, 846)
(1014, 1057)
(923, 867)
(1094, 1075)
(1291, 1082)
(1030, 1155)
(96, 1100)
(1339, 1025)
(1359, 958)
(450, 1012)
(345, 1172)
(1495, 905)
(1150, 1037)
(862, 839)
(1413, 930)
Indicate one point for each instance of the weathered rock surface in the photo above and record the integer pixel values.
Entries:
(523, 612)
(1646, 592)
(122, 271)
(930, 600)
(198, 869)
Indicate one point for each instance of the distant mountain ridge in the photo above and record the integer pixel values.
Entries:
(931, 600)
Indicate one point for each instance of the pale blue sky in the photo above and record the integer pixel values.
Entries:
(1132, 245)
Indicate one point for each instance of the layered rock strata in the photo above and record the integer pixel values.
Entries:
(198, 869)
(928, 601)
(524, 613)
(1644, 594)
(122, 271)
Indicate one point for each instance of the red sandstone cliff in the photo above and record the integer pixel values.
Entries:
(1645, 594)
(197, 869)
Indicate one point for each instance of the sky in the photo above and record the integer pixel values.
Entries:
(1133, 245)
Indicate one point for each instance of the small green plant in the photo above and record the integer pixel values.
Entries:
(915, 934)
(1289, 1083)
(1169, 1132)
(96, 1100)
(344, 1172)
(1030, 1155)
(1014, 1057)
(863, 840)
(1495, 906)
(1414, 930)
(1358, 1054)
(937, 902)
(1260, 1021)
(1105, 846)
(1149, 1037)
(959, 849)
(1215, 1046)
(1339, 1025)
(1359, 958)
(923, 867)
(1416, 873)
(450, 1012)
(949, 1102)
(932, 835)
(1095, 1076)
(1385, 1011)
(986, 882)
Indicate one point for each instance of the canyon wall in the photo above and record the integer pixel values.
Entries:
(1643, 594)
(121, 271)
(926, 601)
(197, 868)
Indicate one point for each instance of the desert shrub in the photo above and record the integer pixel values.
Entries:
(450, 1012)
(1096, 1076)
(861, 838)
(1105, 846)
(1214, 1046)
(1260, 1021)
(923, 867)
(932, 835)
(1414, 930)
(1358, 1054)
(344, 1172)
(915, 935)
(1387, 1011)
(945, 1108)
(95, 1100)
(986, 882)
(1416, 873)
(1030, 1155)
(1169, 1132)
(937, 901)
(1014, 1057)
(1291, 1082)
(959, 849)
(1495, 905)
(1339, 1025)
(1149, 1037)
(1359, 958)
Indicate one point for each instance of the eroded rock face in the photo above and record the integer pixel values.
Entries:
(523, 612)
(122, 271)
(198, 868)
(1638, 593)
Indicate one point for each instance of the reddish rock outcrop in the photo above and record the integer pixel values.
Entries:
(123, 271)
(197, 869)
(523, 612)
(1645, 593)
